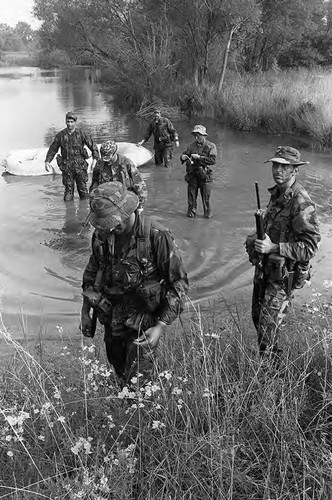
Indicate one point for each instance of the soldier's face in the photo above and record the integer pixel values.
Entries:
(283, 175)
(71, 124)
(199, 138)
(125, 226)
(157, 115)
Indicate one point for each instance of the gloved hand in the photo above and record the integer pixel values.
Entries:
(48, 166)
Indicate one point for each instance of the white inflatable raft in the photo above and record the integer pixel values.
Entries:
(32, 161)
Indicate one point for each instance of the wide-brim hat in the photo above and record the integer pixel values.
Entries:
(287, 155)
(111, 204)
(199, 129)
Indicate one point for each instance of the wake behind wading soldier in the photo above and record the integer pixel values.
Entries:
(135, 280)
(282, 258)
(72, 161)
(115, 167)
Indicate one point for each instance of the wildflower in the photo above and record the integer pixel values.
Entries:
(176, 391)
(61, 419)
(166, 374)
(156, 424)
(10, 454)
(81, 444)
(207, 393)
(41, 437)
(60, 329)
(57, 394)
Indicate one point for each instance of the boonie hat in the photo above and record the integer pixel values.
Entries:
(199, 129)
(156, 109)
(287, 156)
(108, 149)
(71, 116)
(111, 204)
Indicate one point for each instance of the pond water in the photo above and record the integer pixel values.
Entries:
(42, 260)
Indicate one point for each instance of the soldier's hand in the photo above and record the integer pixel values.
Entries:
(176, 143)
(195, 156)
(48, 166)
(266, 246)
(150, 337)
(140, 143)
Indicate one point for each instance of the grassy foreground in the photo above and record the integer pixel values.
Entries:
(216, 423)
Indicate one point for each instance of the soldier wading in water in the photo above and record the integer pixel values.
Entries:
(282, 258)
(72, 161)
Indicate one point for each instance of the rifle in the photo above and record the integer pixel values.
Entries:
(259, 229)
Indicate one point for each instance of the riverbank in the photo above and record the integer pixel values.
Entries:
(215, 423)
(296, 102)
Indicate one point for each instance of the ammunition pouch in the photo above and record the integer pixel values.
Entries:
(102, 305)
(301, 274)
(250, 249)
(275, 267)
(149, 294)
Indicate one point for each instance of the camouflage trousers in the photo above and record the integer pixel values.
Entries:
(205, 189)
(270, 304)
(163, 156)
(75, 174)
(127, 358)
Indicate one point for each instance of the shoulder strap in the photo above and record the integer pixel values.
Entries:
(143, 239)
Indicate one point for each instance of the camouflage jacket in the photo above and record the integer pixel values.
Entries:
(291, 221)
(124, 272)
(208, 157)
(72, 147)
(122, 170)
(163, 131)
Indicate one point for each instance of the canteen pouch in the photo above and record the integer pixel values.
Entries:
(275, 267)
(149, 294)
(301, 274)
(102, 305)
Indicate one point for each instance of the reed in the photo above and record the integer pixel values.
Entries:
(215, 423)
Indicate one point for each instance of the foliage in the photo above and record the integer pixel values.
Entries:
(20, 38)
(216, 422)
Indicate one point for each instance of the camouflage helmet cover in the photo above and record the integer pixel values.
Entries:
(108, 149)
(111, 204)
(199, 129)
(287, 156)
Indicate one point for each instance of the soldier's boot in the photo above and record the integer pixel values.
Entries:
(191, 213)
(69, 196)
(208, 214)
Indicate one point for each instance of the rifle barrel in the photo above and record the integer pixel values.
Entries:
(257, 196)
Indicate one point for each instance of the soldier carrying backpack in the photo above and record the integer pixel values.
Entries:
(135, 281)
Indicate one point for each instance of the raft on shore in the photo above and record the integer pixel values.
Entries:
(32, 161)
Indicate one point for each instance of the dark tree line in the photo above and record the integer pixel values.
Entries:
(155, 42)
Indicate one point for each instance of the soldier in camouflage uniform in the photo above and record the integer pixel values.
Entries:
(199, 156)
(291, 240)
(135, 280)
(165, 137)
(115, 167)
(72, 161)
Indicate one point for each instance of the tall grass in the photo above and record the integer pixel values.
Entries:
(216, 423)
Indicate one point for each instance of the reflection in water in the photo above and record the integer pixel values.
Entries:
(42, 260)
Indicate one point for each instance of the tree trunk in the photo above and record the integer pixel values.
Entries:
(224, 65)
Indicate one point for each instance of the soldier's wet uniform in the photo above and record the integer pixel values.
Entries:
(72, 163)
(123, 170)
(164, 135)
(199, 176)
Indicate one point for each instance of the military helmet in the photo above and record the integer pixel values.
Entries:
(287, 156)
(111, 204)
(108, 149)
